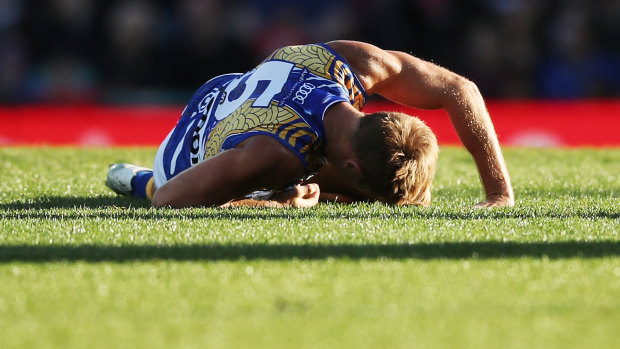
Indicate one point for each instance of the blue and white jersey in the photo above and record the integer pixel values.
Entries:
(285, 97)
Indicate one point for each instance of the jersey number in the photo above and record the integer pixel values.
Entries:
(273, 74)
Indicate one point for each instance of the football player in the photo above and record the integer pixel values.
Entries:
(258, 138)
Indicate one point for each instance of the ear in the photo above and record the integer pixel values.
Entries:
(354, 167)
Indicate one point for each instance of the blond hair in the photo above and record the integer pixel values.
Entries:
(398, 155)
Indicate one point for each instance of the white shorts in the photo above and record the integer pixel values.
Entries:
(159, 174)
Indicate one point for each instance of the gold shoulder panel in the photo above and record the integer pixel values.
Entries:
(315, 58)
(282, 122)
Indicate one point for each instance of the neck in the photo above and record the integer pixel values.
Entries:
(341, 121)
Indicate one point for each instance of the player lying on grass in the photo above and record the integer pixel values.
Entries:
(255, 138)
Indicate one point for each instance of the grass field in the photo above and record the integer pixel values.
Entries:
(82, 268)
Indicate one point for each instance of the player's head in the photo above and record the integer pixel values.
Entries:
(397, 154)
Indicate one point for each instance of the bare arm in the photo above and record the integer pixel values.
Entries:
(408, 80)
(221, 180)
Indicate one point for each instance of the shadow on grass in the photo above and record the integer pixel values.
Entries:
(63, 202)
(234, 252)
(139, 209)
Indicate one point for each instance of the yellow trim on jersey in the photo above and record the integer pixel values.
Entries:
(150, 188)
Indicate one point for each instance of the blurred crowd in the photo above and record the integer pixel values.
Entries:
(80, 51)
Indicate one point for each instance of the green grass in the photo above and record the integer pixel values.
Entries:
(82, 268)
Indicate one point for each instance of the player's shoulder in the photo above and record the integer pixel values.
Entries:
(354, 51)
(369, 62)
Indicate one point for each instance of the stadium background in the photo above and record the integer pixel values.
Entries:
(59, 54)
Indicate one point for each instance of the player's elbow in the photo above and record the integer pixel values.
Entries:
(465, 88)
(461, 92)
(469, 88)
(455, 83)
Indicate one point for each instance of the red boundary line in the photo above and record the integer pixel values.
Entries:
(518, 123)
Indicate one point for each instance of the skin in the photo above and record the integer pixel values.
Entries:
(261, 162)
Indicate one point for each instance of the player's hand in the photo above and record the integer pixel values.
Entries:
(497, 200)
(300, 196)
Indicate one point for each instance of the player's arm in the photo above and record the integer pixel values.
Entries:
(260, 162)
(306, 195)
(335, 188)
(408, 80)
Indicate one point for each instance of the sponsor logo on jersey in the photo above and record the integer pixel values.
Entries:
(303, 92)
